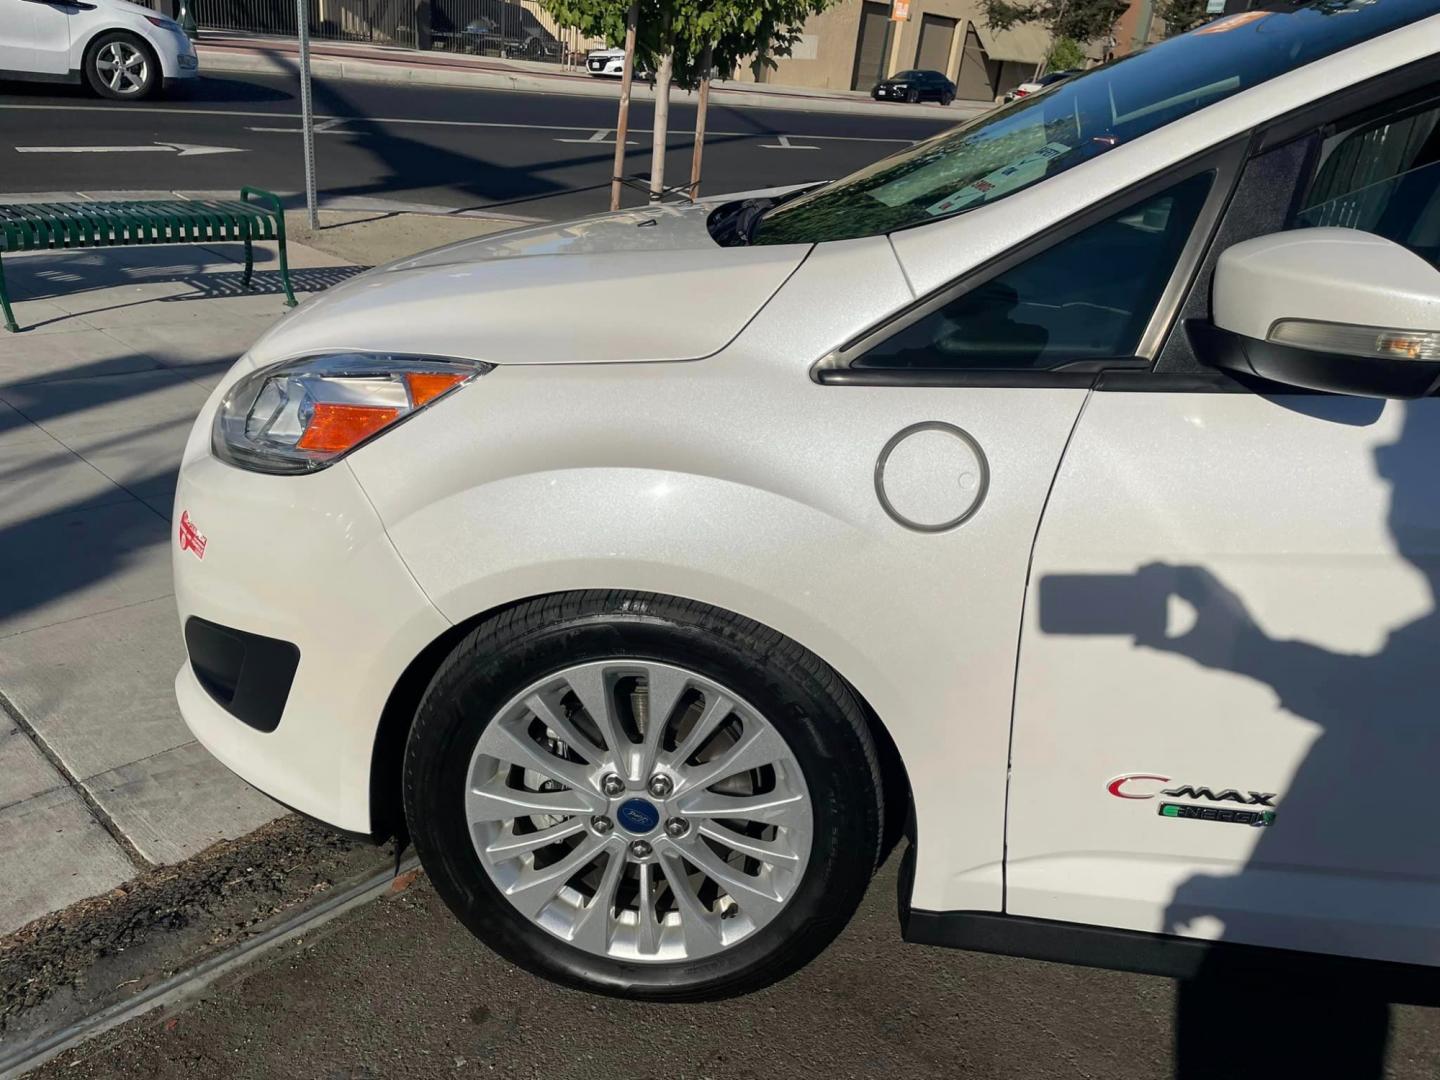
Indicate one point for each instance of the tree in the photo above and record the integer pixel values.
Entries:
(1065, 55)
(1079, 20)
(1181, 15)
(683, 40)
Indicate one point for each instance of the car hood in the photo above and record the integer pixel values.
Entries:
(636, 285)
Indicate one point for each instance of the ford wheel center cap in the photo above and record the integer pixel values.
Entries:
(637, 816)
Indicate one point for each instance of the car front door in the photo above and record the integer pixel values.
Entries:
(35, 36)
(1225, 721)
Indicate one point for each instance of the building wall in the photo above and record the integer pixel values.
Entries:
(826, 58)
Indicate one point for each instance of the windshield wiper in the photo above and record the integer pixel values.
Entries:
(733, 224)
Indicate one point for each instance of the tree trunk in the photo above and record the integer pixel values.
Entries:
(622, 124)
(700, 110)
(662, 122)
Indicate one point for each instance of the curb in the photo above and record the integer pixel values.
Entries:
(229, 59)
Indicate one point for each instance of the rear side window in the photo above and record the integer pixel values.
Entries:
(1383, 177)
(1088, 297)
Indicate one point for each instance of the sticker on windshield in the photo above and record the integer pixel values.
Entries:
(1002, 181)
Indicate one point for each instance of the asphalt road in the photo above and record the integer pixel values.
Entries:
(398, 989)
(541, 155)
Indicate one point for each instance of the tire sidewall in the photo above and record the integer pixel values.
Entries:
(463, 700)
(92, 74)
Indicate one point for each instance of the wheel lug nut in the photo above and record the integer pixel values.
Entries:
(660, 786)
(601, 825)
(612, 785)
(640, 849)
(677, 827)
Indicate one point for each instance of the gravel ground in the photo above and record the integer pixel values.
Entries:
(73, 962)
(398, 989)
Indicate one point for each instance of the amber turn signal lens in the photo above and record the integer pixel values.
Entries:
(336, 428)
(426, 386)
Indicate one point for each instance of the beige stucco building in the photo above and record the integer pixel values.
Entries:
(855, 43)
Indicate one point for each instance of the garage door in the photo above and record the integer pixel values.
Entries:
(933, 51)
(873, 48)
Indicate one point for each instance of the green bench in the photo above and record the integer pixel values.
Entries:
(256, 215)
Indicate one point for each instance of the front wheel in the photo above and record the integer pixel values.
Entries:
(912, 96)
(121, 66)
(643, 796)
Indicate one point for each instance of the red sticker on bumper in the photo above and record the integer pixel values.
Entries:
(191, 538)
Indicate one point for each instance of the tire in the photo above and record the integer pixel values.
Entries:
(479, 695)
(912, 96)
(947, 98)
(132, 55)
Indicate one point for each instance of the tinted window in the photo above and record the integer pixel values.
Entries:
(1088, 297)
(1021, 144)
(1383, 177)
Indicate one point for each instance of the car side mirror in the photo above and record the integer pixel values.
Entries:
(1327, 309)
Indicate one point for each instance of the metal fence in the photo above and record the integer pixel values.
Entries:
(508, 28)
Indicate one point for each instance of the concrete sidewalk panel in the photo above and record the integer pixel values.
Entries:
(184, 345)
(137, 401)
(100, 690)
(178, 803)
(139, 461)
(89, 559)
(24, 772)
(16, 430)
(70, 354)
(65, 277)
(41, 478)
(54, 853)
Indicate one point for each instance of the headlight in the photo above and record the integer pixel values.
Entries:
(164, 23)
(301, 415)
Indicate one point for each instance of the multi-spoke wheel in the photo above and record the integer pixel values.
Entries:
(643, 796)
(118, 65)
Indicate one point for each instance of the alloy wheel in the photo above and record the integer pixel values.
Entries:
(123, 67)
(639, 811)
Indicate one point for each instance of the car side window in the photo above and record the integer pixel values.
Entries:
(1382, 177)
(1088, 297)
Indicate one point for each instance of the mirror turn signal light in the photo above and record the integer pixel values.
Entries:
(1350, 340)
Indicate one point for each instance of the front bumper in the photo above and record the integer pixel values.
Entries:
(301, 560)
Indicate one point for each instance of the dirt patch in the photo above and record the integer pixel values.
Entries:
(70, 963)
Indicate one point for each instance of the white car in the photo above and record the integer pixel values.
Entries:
(121, 50)
(600, 62)
(1058, 493)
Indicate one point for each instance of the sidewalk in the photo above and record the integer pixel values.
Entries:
(223, 52)
(99, 778)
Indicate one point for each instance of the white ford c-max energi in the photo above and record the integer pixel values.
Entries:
(121, 50)
(1057, 492)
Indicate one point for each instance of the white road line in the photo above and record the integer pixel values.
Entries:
(441, 123)
(599, 137)
(783, 143)
(325, 127)
(182, 149)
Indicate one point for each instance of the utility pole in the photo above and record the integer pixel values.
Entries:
(622, 125)
(307, 111)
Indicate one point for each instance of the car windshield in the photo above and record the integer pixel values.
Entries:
(1080, 118)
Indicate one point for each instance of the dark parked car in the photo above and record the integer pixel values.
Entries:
(505, 29)
(915, 86)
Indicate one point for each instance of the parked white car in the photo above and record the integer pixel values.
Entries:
(1058, 492)
(600, 62)
(121, 50)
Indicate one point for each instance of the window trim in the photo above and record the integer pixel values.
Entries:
(1226, 160)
